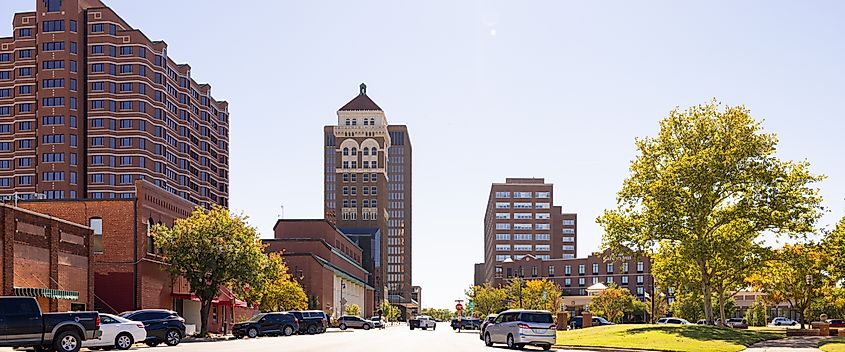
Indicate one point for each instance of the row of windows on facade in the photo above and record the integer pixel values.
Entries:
(395, 160)
(354, 190)
(582, 281)
(366, 121)
(365, 215)
(503, 195)
(158, 131)
(354, 151)
(529, 237)
(523, 205)
(523, 216)
(353, 177)
(366, 164)
(113, 106)
(582, 269)
(507, 226)
(121, 142)
(523, 247)
(367, 203)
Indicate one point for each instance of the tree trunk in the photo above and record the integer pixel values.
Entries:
(722, 307)
(205, 308)
(708, 297)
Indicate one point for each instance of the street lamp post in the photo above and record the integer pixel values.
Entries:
(521, 282)
(342, 301)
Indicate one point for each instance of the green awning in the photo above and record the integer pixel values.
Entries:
(47, 292)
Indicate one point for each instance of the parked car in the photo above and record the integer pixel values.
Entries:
(674, 321)
(423, 322)
(466, 324)
(578, 322)
(267, 324)
(349, 321)
(22, 324)
(489, 319)
(377, 322)
(162, 325)
(311, 321)
(836, 323)
(779, 321)
(117, 332)
(518, 328)
(736, 323)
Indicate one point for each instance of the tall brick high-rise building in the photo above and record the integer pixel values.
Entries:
(89, 104)
(522, 219)
(368, 193)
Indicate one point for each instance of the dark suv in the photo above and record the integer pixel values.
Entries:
(162, 325)
(311, 321)
(267, 324)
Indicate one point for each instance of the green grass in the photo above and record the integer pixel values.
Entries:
(836, 344)
(683, 338)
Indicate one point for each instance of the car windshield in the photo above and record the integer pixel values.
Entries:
(537, 318)
(256, 318)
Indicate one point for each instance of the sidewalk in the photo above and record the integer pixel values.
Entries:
(789, 344)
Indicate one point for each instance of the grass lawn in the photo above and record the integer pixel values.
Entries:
(684, 338)
(836, 344)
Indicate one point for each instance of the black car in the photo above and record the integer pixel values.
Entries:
(578, 322)
(466, 324)
(162, 325)
(311, 321)
(489, 319)
(267, 324)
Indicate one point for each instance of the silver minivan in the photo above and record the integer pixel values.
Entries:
(519, 327)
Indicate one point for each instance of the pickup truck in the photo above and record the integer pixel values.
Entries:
(23, 325)
(423, 322)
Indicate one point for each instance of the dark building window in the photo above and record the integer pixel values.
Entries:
(53, 26)
(53, 5)
(25, 32)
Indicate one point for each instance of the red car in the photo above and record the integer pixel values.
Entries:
(836, 323)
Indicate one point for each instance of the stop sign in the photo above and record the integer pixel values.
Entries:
(459, 306)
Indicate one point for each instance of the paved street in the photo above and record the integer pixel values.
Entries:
(397, 338)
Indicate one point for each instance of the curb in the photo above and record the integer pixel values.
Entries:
(602, 349)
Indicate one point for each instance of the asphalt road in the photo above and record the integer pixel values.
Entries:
(395, 338)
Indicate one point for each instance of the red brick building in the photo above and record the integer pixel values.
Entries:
(129, 273)
(576, 275)
(89, 105)
(368, 165)
(46, 257)
(327, 263)
(521, 219)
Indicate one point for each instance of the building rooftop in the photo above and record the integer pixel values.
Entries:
(361, 103)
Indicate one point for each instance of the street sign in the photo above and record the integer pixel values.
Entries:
(459, 307)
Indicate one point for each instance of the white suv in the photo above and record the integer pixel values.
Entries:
(518, 328)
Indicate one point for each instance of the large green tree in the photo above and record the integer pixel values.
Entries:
(709, 171)
(612, 303)
(534, 294)
(796, 274)
(487, 299)
(211, 249)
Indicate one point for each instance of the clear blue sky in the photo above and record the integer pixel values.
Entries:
(491, 89)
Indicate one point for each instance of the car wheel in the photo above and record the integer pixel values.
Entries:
(425, 328)
(288, 330)
(67, 341)
(152, 343)
(343, 327)
(547, 347)
(312, 329)
(173, 337)
(366, 326)
(487, 340)
(434, 327)
(511, 344)
(123, 341)
(252, 333)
